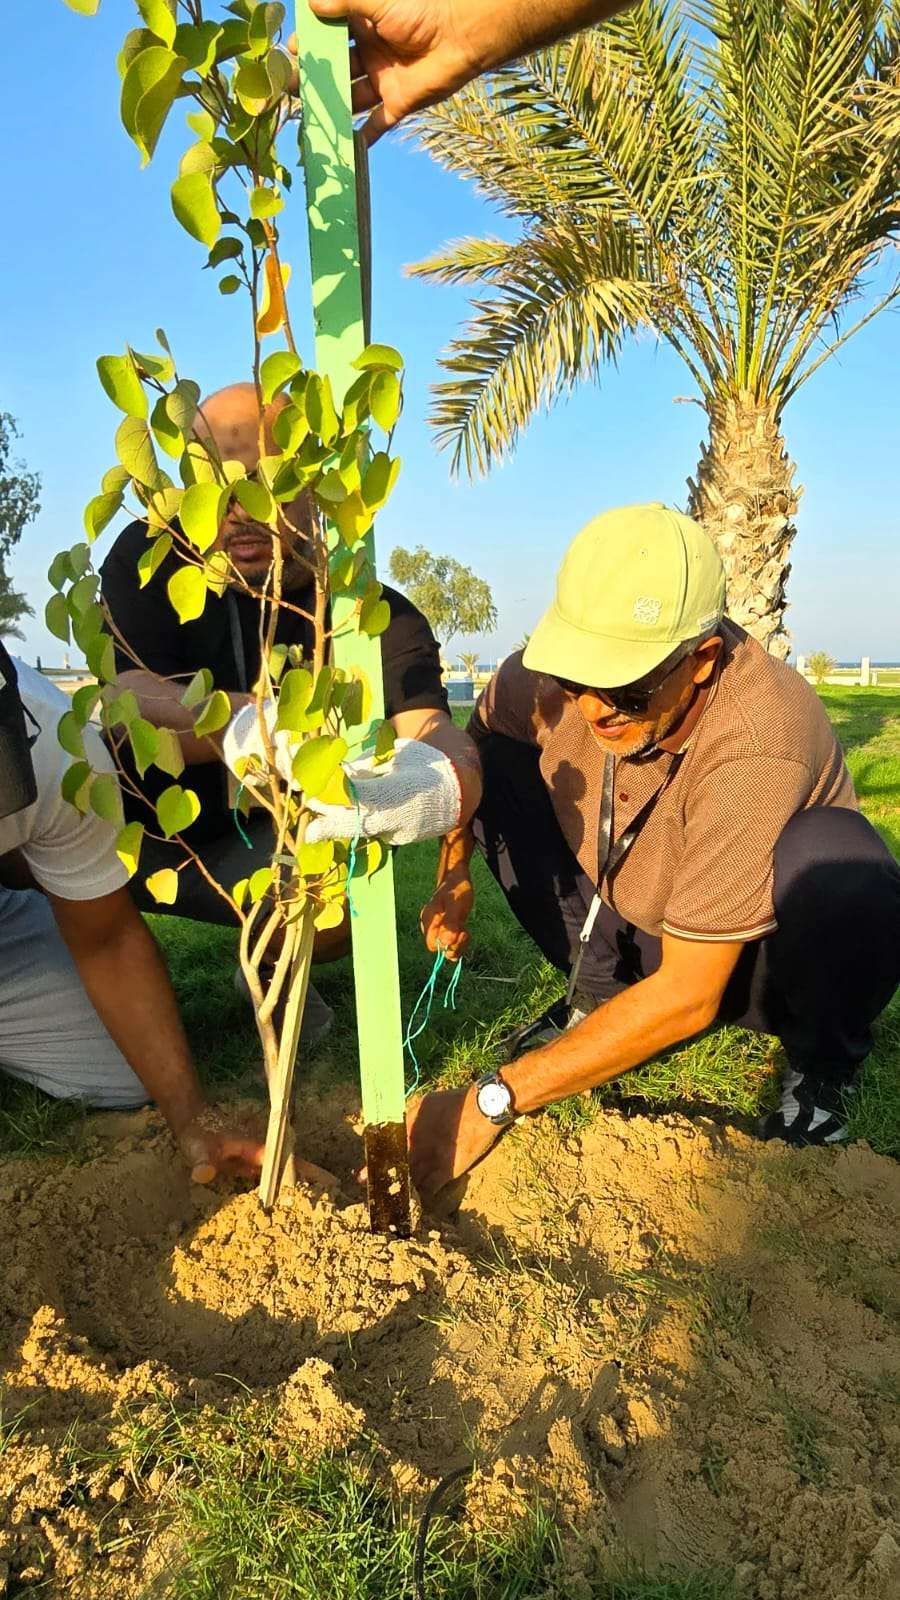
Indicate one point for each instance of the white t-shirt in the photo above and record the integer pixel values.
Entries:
(71, 856)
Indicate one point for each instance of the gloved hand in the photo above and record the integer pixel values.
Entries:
(243, 738)
(414, 796)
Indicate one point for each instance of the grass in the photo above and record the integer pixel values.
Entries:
(243, 1516)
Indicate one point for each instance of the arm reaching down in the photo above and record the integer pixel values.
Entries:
(128, 986)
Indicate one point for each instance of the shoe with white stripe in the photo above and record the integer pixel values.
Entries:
(811, 1110)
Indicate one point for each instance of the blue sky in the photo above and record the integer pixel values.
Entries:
(93, 257)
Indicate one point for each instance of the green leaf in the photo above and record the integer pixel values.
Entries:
(134, 448)
(162, 508)
(79, 559)
(252, 87)
(378, 480)
(160, 367)
(202, 123)
(379, 355)
(319, 407)
(101, 655)
(277, 370)
(230, 283)
(265, 202)
(385, 400)
(163, 885)
(173, 416)
(199, 44)
(149, 87)
(194, 204)
(99, 512)
(75, 786)
(216, 714)
(259, 882)
(356, 706)
(85, 8)
(56, 616)
(169, 754)
(69, 735)
(119, 378)
(255, 500)
(176, 809)
(83, 594)
(225, 249)
(317, 761)
(114, 479)
(128, 846)
(197, 465)
(330, 915)
(294, 697)
(314, 859)
(144, 743)
(121, 711)
(199, 687)
(290, 428)
(331, 489)
(385, 739)
(150, 560)
(356, 403)
(374, 617)
(159, 16)
(106, 798)
(60, 570)
(277, 661)
(203, 505)
(353, 519)
(187, 592)
(84, 702)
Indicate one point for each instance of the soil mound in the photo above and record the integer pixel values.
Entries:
(689, 1341)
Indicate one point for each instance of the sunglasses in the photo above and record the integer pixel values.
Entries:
(633, 699)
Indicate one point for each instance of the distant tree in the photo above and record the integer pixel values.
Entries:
(13, 607)
(453, 599)
(19, 489)
(469, 662)
(821, 665)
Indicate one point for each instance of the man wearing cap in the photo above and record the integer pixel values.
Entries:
(669, 815)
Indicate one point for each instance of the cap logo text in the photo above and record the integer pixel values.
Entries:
(646, 609)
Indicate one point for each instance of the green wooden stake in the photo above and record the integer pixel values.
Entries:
(338, 285)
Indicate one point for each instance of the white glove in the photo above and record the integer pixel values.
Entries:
(243, 738)
(414, 796)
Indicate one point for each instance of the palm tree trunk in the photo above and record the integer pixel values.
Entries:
(745, 498)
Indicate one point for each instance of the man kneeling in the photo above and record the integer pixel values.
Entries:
(669, 815)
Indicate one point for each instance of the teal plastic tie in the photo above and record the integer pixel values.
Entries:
(354, 845)
(426, 999)
(237, 818)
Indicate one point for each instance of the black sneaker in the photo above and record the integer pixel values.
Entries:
(812, 1110)
(548, 1027)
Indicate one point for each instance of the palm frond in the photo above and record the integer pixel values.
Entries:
(465, 261)
(564, 307)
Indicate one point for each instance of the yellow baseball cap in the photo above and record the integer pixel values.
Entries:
(634, 584)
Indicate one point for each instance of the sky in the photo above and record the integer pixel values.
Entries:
(93, 258)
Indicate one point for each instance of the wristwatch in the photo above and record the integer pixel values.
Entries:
(494, 1099)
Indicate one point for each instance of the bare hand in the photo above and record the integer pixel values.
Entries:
(443, 920)
(447, 1135)
(406, 54)
(211, 1145)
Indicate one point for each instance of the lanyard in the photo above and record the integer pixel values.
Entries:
(610, 854)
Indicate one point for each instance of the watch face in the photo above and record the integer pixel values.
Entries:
(493, 1100)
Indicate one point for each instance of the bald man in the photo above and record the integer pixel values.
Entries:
(163, 654)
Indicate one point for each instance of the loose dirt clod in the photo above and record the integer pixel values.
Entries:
(690, 1341)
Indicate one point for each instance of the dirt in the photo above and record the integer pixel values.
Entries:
(689, 1341)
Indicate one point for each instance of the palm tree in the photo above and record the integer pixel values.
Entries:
(721, 186)
(469, 663)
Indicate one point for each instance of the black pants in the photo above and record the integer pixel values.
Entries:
(818, 982)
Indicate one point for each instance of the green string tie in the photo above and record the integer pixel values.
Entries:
(426, 999)
(237, 819)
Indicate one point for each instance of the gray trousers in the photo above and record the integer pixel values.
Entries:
(50, 1034)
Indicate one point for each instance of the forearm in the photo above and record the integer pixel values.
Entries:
(126, 980)
(627, 1030)
(455, 856)
(501, 32)
(159, 702)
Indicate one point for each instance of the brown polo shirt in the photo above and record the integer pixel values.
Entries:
(701, 866)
